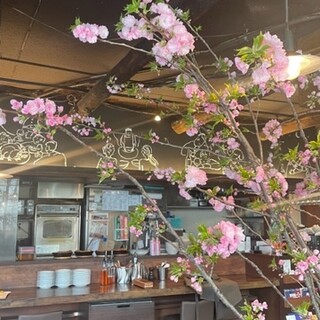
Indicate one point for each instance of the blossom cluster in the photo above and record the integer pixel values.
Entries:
(273, 180)
(49, 117)
(229, 237)
(87, 32)
(273, 131)
(271, 66)
(173, 38)
(304, 263)
(137, 218)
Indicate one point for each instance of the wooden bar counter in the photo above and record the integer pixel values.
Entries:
(25, 297)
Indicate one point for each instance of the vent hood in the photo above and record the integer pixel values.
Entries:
(60, 190)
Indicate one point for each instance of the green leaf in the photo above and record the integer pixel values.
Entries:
(292, 154)
(133, 7)
(77, 22)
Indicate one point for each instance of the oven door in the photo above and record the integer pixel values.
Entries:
(56, 233)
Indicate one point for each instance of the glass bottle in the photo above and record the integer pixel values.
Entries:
(110, 268)
(155, 247)
(103, 274)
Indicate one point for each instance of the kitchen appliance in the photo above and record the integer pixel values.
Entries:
(60, 190)
(57, 228)
(106, 217)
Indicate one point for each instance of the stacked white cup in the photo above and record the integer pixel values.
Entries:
(45, 279)
(63, 278)
(81, 277)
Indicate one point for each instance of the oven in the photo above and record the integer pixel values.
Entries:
(57, 228)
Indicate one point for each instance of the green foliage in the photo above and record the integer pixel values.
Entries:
(184, 15)
(132, 7)
(234, 92)
(77, 22)
(222, 65)
(273, 265)
(291, 155)
(137, 216)
(303, 308)
(246, 174)
(247, 310)
(119, 25)
(315, 145)
(257, 51)
(105, 174)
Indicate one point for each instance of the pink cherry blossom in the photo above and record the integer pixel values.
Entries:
(272, 131)
(190, 90)
(183, 193)
(33, 107)
(103, 32)
(258, 306)
(86, 32)
(195, 176)
(261, 75)
(135, 231)
(210, 108)
(316, 82)
(241, 66)
(229, 236)
(303, 82)
(287, 88)
(217, 205)
(192, 131)
(16, 105)
(233, 144)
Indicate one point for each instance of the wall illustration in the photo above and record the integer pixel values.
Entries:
(24, 146)
(19, 146)
(203, 154)
(129, 152)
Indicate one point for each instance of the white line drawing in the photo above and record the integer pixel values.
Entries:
(128, 152)
(25, 146)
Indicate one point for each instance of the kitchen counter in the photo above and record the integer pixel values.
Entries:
(20, 278)
(32, 297)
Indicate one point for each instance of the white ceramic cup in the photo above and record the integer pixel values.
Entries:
(172, 248)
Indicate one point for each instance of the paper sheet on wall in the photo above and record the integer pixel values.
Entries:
(134, 200)
(115, 200)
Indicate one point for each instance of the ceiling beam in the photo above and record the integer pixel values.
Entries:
(135, 60)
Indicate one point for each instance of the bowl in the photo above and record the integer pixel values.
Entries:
(62, 254)
(100, 253)
(83, 253)
(139, 252)
(171, 248)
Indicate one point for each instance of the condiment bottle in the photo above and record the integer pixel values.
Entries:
(151, 274)
(103, 274)
(110, 268)
(155, 247)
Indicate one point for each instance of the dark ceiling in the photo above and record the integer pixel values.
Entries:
(40, 57)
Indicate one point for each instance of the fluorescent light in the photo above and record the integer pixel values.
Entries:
(294, 67)
(5, 175)
(302, 64)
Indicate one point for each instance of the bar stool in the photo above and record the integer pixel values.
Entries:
(197, 310)
(57, 315)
